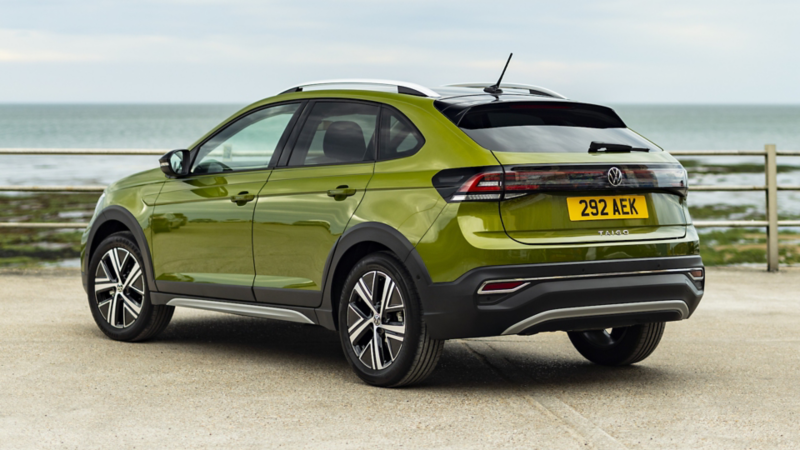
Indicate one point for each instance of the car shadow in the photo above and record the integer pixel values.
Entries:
(464, 365)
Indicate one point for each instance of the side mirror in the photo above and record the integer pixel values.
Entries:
(175, 164)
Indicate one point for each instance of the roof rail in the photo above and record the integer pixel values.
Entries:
(402, 86)
(535, 90)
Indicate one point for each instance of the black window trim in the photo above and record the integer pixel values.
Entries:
(279, 149)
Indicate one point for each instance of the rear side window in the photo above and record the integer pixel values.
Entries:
(399, 137)
(336, 133)
(547, 128)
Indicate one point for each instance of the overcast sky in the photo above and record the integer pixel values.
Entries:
(198, 51)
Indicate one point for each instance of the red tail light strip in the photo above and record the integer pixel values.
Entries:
(493, 183)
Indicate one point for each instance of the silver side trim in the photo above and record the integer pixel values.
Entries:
(366, 82)
(266, 312)
(600, 310)
(536, 90)
(589, 275)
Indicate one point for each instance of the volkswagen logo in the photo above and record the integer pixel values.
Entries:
(614, 176)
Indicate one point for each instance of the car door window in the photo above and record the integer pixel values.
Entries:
(399, 137)
(248, 143)
(336, 133)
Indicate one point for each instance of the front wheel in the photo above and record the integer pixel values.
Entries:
(118, 294)
(380, 324)
(618, 346)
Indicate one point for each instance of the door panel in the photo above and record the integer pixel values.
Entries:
(201, 235)
(297, 222)
(203, 224)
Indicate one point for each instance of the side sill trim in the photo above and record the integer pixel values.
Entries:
(266, 312)
(600, 310)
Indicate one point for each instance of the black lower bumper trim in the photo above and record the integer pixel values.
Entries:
(455, 310)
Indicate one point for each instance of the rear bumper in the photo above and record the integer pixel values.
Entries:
(564, 297)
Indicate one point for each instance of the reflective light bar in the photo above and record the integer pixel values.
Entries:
(586, 177)
(501, 287)
(697, 274)
(495, 183)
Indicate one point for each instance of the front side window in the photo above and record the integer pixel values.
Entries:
(336, 133)
(399, 137)
(248, 143)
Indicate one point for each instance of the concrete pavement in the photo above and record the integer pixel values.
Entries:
(727, 378)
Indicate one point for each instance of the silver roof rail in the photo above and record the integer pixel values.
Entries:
(535, 90)
(402, 86)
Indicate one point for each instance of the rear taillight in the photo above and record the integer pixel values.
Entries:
(481, 187)
(494, 183)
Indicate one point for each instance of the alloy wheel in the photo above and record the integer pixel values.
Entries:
(119, 287)
(376, 320)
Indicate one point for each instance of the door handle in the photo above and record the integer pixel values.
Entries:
(242, 198)
(341, 192)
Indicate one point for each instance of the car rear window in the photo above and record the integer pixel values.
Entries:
(547, 127)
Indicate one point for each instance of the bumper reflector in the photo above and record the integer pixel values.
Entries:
(501, 287)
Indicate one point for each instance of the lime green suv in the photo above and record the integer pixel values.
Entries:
(400, 217)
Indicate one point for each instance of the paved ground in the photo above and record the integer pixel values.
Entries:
(727, 378)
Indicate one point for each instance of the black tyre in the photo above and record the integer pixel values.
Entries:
(380, 324)
(118, 294)
(618, 346)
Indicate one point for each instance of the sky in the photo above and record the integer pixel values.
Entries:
(238, 51)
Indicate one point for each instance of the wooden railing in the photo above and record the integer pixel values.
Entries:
(770, 187)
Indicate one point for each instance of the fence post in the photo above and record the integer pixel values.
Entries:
(771, 166)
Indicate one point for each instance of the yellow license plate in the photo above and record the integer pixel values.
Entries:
(607, 207)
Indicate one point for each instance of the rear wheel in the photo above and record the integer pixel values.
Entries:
(118, 294)
(380, 324)
(618, 346)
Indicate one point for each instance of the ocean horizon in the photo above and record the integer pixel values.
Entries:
(170, 126)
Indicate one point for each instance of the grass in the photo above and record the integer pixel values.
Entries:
(744, 245)
(27, 247)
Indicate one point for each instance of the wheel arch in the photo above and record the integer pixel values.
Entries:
(356, 243)
(114, 219)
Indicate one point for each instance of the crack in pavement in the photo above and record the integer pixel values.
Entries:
(572, 421)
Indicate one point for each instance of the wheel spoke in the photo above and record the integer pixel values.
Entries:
(101, 286)
(377, 348)
(393, 343)
(114, 259)
(399, 330)
(133, 275)
(358, 329)
(106, 276)
(365, 294)
(388, 287)
(366, 356)
(112, 311)
(130, 304)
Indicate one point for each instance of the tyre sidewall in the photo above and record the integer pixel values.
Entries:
(618, 354)
(413, 320)
(121, 240)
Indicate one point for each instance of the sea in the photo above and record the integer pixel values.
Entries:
(162, 126)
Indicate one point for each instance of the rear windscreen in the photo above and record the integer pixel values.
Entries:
(548, 128)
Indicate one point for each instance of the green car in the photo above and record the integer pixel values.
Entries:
(400, 217)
